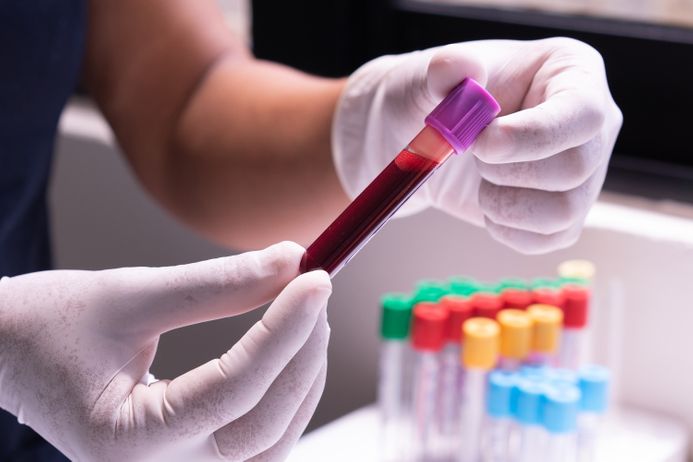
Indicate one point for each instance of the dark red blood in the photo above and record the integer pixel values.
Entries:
(368, 212)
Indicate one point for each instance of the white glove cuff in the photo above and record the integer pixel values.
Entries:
(350, 127)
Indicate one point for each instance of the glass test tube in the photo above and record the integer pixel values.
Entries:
(495, 442)
(392, 394)
(547, 321)
(594, 386)
(559, 415)
(479, 356)
(451, 127)
(574, 337)
(515, 338)
(452, 374)
(427, 339)
(527, 399)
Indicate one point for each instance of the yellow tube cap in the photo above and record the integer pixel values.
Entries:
(515, 333)
(546, 333)
(577, 269)
(480, 349)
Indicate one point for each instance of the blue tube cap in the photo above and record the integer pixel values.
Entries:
(560, 407)
(534, 372)
(499, 393)
(559, 376)
(527, 400)
(594, 386)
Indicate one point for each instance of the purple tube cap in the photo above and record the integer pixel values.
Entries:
(463, 114)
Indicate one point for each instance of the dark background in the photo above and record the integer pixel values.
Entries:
(650, 67)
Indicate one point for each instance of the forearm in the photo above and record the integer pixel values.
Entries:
(251, 160)
(236, 147)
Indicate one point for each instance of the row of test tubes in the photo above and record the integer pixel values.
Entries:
(476, 372)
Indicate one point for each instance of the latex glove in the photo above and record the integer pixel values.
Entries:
(532, 175)
(75, 345)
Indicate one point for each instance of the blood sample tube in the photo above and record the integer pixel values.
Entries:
(546, 333)
(515, 338)
(452, 374)
(574, 337)
(394, 358)
(486, 305)
(427, 340)
(451, 127)
(479, 356)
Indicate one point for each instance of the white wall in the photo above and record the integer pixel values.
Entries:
(643, 320)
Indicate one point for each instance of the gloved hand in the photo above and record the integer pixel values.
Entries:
(76, 344)
(532, 175)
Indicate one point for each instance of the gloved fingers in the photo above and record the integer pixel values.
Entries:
(281, 449)
(565, 102)
(264, 425)
(156, 300)
(536, 211)
(532, 243)
(220, 391)
(454, 189)
(449, 66)
(564, 120)
(561, 172)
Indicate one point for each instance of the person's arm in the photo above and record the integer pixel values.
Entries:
(236, 147)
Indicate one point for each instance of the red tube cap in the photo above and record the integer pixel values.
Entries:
(575, 306)
(548, 297)
(429, 326)
(486, 305)
(516, 298)
(459, 310)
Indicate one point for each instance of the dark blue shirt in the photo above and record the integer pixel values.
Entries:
(41, 48)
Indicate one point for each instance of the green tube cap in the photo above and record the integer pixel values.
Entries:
(512, 283)
(430, 291)
(545, 283)
(464, 286)
(396, 316)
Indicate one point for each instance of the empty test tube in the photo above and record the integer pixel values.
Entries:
(479, 356)
(574, 337)
(559, 414)
(495, 443)
(515, 338)
(452, 374)
(594, 387)
(527, 401)
(547, 321)
(427, 340)
(394, 381)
